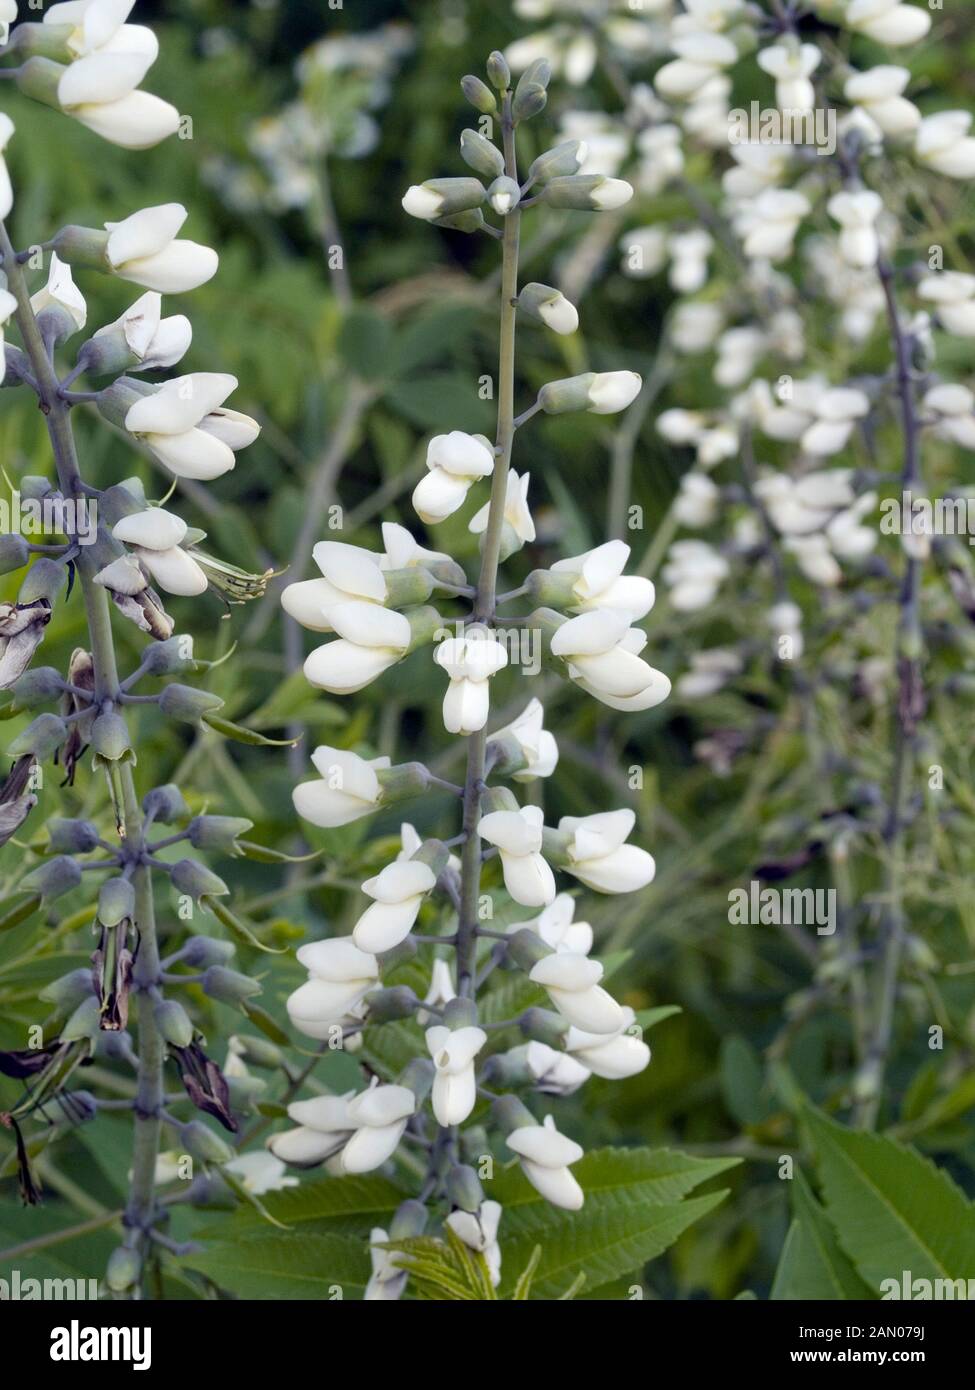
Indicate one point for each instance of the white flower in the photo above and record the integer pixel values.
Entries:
(888, 21)
(758, 167)
(538, 747)
(397, 892)
(953, 294)
(371, 639)
(6, 188)
(455, 461)
(815, 559)
(700, 57)
(662, 158)
(849, 539)
(517, 516)
(518, 836)
(601, 583)
(346, 788)
(144, 249)
(613, 1057)
(380, 1116)
(694, 572)
(739, 351)
(792, 65)
(388, 1279)
(644, 251)
(601, 652)
(155, 537)
(349, 572)
(879, 93)
(836, 411)
(599, 856)
(610, 392)
(769, 224)
(8, 13)
(799, 507)
(785, 621)
(689, 252)
(559, 314)
(111, 58)
(572, 983)
(694, 328)
(339, 978)
(555, 926)
(546, 1156)
(156, 342)
(778, 419)
(954, 410)
(469, 662)
(696, 503)
(479, 1231)
(8, 307)
(324, 1126)
(942, 143)
(455, 1084)
(61, 292)
(554, 1073)
(710, 671)
(260, 1171)
(706, 16)
(857, 215)
(441, 990)
(185, 427)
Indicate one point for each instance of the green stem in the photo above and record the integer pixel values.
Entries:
(141, 1203)
(485, 601)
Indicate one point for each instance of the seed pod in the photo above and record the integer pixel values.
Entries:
(187, 704)
(229, 986)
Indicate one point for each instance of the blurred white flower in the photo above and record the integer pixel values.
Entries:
(479, 1231)
(879, 93)
(943, 143)
(694, 572)
(952, 292)
(857, 215)
(888, 21)
(792, 65)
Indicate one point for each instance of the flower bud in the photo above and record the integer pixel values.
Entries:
(37, 687)
(110, 736)
(45, 579)
(542, 1025)
(560, 161)
(417, 1076)
(459, 1013)
(169, 657)
(504, 195)
(116, 901)
(499, 74)
(82, 246)
(14, 553)
(409, 1219)
(385, 1005)
(200, 1141)
(165, 804)
(587, 192)
(441, 197)
(173, 1022)
(260, 1052)
(68, 991)
(510, 1114)
(191, 877)
(481, 154)
(187, 704)
(54, 877)
(529, 99)
(550, 307)
(526, 948)
(464, 1188)
(229, 986)
(217, 832)
(124, 1269)
(204, 951)
(479, 95)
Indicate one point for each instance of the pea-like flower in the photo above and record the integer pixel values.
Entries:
(546, 1156)
(518, 528)
(952, 292)
(599, 857)
(144, 249)
(537, 750)
(185, 426)
(455, 461)
(397, 892)
(479, 1231)
(340, 976)
(346, 788)
(62, 293)
(6, 188)
(836, 413)
(694, 572)
(469, 662)
(151, 341)
(259, 1172)
(943, 143)
(601, 653)
(518, 836)
(599, 582)
(613, 1056)
(768, 225)
(556, 927)
(887, 21)
(324, 1127)
(348, 573)
(154, 537)
(879, 94)
(792, 66)
(572, 983)
(370, 640)
(455, 1084)
(857, 215)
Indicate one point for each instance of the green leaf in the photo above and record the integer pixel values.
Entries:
(298, 1264)
(356, 1203)
(649, 1018)
(893, 1209)
(524, 1284)
(365, 341)
(742, 1081)
(20, 913)
(236, 927)
(812, 1265)
(663, 1175)
(239, 734)
(444, 1269)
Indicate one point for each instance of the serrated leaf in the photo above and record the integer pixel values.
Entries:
(296, 1264)
(892, 1209)
(812, 1264)
(662, 1175)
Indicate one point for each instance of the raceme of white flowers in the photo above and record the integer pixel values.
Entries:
(375, 610)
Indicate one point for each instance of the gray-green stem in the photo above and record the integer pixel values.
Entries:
(485, 601)
(141, 1202)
